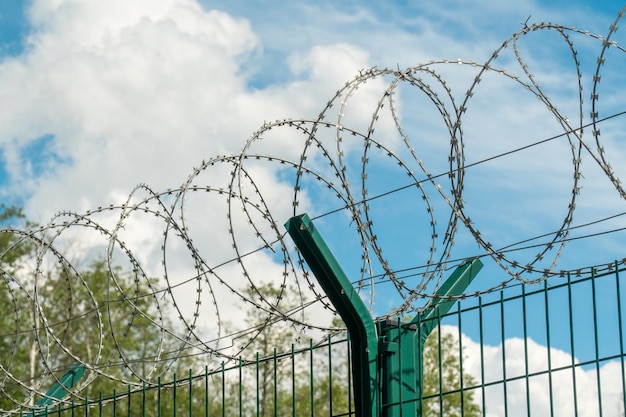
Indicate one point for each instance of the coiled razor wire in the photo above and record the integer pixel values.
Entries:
(220, 235)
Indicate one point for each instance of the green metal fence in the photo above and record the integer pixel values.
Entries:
(551, 349)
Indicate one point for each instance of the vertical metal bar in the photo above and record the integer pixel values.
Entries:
(312, 378)
(420, 396)
(482, 355)
(400, 365)
(350, 376)
(128, 402)
(240, 387)
(190, 394)
(143, 399)
(461, 379)
(293, 380)
(206, 391)
(275, 385)
(174, 394)
(223, 391)
(572, 344)
(503, 336)
(525, 330)
(440, 365)
(99, 405)
(549, 345)
(595, 339)
(114, 404)
(330, 375)
(86, 406)
(621, 334)
(258, 387)
(158, 396)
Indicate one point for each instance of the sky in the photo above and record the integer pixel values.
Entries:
(101, 97)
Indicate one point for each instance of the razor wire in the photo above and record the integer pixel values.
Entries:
(226, 222)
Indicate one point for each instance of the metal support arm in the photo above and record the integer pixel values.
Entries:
(350, 307)
(387, 357)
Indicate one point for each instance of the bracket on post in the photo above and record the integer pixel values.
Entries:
(402, 367)
(386, 356)
(60, 389)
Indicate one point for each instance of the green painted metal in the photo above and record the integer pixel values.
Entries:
(550, 312)
(350, 307)
(60, 389)
(206, 391)
(504, 367)
(447, 294)
(174, 385)
(190, 394)
(402, 345)
(399, 368)
(572, 344)
(293, 380)
(312, 380)
(159, 397)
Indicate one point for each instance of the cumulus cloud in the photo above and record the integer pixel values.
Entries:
(122, 93)
(122, 89)
(106, 96)
(565, 385)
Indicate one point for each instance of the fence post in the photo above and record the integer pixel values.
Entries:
(386, 356)
(402, 345)
(350, 307)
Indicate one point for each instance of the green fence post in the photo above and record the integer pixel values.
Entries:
(389, 384)
(402, 345)
(350, 307)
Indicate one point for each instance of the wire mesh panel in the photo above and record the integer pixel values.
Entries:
(307, 382)
(551, 349)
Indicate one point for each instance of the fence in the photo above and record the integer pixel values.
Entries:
(551, 349)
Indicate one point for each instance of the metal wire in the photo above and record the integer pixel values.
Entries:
(314, 159)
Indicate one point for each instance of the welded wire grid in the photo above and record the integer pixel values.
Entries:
(337, 171)
(491, 350)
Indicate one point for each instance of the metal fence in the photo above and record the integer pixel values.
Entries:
(550, 349)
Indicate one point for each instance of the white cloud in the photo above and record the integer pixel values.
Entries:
(541, 390)
(141, 91)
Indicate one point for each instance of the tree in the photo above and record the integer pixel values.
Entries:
(287, 380)
(103, 316)
(442, 380)
(15, 358)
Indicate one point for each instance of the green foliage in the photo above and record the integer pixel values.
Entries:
(442, 380)
(82, 308)
(90, 315)
(12, 248)
(299, 382)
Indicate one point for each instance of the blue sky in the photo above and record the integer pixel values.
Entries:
(84, 87)
(98, 97)
(75, 140)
